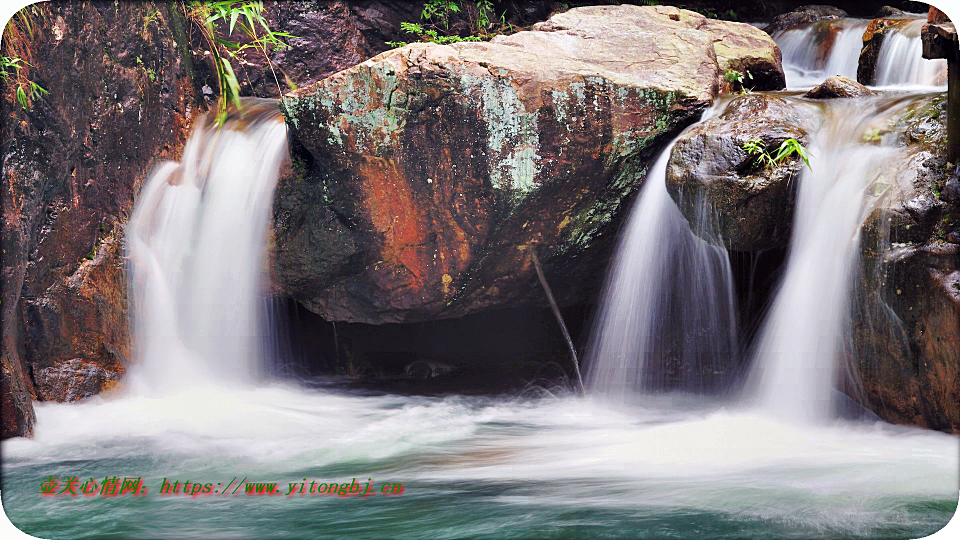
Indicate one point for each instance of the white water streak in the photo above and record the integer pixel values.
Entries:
(196, 254)
(667, 314)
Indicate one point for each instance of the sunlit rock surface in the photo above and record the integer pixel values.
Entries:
(839, 86)
(425, 174)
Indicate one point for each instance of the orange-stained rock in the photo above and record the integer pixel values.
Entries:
(426, 173)
(120, 97)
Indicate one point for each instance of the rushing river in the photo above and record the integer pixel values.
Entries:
(478, 467)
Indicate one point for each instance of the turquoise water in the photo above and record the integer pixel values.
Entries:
(478, 467)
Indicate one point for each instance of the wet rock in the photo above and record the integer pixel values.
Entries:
(890, 12)
(873, 38)
(753, 203)
(73, 380)
(329, 36)
(839, 86)
(907, 323)
(82, 318)
(804, 14)
(428, 172)
(121, 96)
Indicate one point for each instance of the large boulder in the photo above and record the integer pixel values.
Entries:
(753, 203)
(803, 15)
(424, 176)
(839, 86)
(907, 322)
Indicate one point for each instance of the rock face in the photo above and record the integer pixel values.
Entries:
(754, 204)
(804, 14)
(839, 86)
(872, 41)
(330, 36)
(125, 83)
(425, 173)
(120, 98)
(907, 325)
(73, 379)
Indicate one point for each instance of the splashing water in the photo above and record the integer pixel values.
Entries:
(800, 353)
(195, 246)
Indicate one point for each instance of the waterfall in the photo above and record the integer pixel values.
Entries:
(815, 51)
(901, 62)
(667, 318)
(196, 256)
(801, 351)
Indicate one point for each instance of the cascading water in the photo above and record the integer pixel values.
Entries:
(195, 250)
(800, 352)
(667, 318)
(901, 62)
(814, 51)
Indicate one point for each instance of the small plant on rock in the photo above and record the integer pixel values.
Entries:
(26, 90)
(763, 158)
(737, 79)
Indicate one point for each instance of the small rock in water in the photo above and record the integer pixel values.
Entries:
(839, 86)
(427, 369)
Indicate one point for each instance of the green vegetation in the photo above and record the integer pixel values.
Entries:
(763, 158)
(736, 78)
(872, 135)
(14, 65)
(254, 33)
(25, 90)
(151, 74)
(440, 18)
